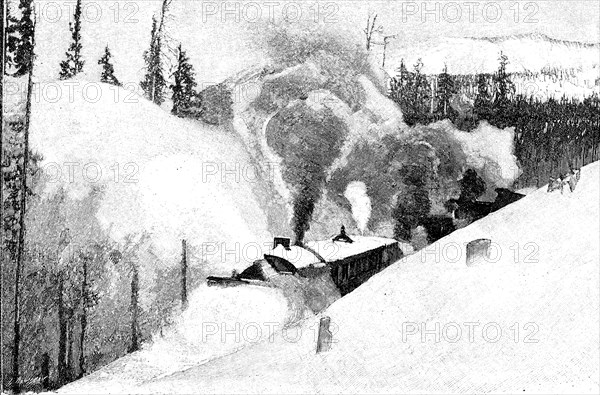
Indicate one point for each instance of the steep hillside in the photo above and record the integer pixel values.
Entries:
(191, 340)
(532, 310)
(161, 175)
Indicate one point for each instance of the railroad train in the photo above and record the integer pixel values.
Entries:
(350, 260)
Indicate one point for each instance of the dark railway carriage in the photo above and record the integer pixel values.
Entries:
(350, 272)
(349, 260)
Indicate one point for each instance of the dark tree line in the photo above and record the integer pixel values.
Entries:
(553, 135)
(550, 135)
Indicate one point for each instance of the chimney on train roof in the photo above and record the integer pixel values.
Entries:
(343, 237)
(283, 241)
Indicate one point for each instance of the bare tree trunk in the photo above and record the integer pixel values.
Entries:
(62, 332)
(70, 330)
(184, 296)
(369, 30)
(45, 371)
(134, 308)
(71, 340)
(3, 23)
(83, 320)
(21, 240)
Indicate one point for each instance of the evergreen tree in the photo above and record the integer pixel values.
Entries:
(184, 84)
(154, 83)
(22, 41)
(12, 39)
(399, 80)
(444, 93)
(504, 89)
(483, 101)
(421, 95)
(73, 64)
(398, 86)
(108, 71)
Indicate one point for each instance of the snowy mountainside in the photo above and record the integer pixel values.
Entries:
(527, 52)
(569, 68)
(169, 177)
(532, 308)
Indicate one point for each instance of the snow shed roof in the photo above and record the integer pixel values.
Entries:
(329, 250)
(297, 256)
(336, 250)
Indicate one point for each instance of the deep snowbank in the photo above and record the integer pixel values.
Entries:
(168, 177)
(219, 321)
(532, 312)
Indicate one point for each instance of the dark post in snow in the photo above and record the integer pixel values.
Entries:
(184, 298)
(325, 335)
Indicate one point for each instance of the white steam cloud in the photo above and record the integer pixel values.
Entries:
(356, 193)
(489, 150)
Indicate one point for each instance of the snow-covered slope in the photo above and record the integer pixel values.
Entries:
(526, 321)
(527, 52)
(571, 68)
(161, 175)
(197, 336)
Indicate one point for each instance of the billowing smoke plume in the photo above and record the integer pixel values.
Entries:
(356, 193)
(440, 151)
(308, 65)
(308, 140)
(490, 151)
(334, 126)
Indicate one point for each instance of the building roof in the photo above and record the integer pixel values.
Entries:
(329, 250)
(335, 250)
(297, 256)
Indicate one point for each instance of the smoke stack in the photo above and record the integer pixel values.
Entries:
(343, 237)
(283, 241)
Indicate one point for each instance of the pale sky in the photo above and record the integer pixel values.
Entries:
(217, 35)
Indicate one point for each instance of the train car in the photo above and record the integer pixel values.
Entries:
(350, 260)
(353, 259)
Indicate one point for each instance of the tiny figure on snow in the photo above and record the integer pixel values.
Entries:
(571, 178)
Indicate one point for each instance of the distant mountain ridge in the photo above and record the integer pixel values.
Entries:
(537, 37)
(531, 52)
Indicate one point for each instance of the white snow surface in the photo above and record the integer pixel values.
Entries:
(169, 177)
(328, 249)
(211, 327)
(334, 250)
(297, 256)
(542, 278)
